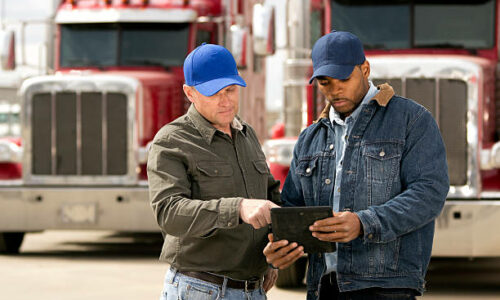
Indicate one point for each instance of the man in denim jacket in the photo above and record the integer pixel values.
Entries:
(379, 161)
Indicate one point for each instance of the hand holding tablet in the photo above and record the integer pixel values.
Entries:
(292, 224)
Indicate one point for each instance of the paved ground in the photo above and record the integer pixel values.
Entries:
(82, 265)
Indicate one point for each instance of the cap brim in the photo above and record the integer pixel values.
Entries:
(333, 71)
(212, 87)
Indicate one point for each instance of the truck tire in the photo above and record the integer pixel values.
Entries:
(293, 276)
(10, 242)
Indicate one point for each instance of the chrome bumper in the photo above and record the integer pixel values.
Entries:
(104, 208)
(468, 229)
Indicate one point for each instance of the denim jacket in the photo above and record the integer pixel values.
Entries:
(394, 177)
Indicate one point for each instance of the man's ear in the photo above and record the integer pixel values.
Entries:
(365, 68)
(188, 91)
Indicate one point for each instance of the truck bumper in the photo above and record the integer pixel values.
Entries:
(468, 229)
(104, 208)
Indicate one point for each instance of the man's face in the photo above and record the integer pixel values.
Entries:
(345, 95)
(218, 109)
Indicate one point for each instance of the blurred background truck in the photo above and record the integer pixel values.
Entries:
(80, 159)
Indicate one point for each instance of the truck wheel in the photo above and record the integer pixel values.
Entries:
(293, 276)
(10, 242)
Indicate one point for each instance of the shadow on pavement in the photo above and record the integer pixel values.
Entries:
(119, 245)
(464, 276)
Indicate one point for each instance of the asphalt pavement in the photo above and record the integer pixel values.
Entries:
(82, 265)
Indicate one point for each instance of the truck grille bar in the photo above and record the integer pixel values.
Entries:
(446, 99)
(79, 133)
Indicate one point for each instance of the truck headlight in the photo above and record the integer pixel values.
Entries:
(143, 153)
(10, 152)
(279, 151)
(490, 158)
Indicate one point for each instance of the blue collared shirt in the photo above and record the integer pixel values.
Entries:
(342, 130)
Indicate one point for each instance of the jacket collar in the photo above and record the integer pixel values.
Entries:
(386, 92)
(206, 129)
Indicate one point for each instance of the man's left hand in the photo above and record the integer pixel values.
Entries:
(343, 227)
(270, 279)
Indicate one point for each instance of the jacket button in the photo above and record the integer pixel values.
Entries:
(316, 293)
(216, 171)
(308, 170)
(229, 224)
(328, 181)
(370, 236)
(382, 153)
(331, 146)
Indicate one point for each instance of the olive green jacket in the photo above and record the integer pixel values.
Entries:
(197, 179)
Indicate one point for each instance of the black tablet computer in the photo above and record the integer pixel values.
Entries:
(292, 224)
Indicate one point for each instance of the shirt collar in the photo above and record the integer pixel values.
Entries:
(206, 129)
(335, 116)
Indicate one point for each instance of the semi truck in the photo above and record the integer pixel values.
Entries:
(118, 79)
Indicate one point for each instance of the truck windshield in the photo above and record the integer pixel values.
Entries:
(403, 24)
(123, 44)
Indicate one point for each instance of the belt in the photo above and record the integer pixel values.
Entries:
(219, 280)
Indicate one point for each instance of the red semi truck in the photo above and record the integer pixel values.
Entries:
(444, 55)
(118, 79)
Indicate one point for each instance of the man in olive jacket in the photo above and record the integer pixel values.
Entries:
(208, 179)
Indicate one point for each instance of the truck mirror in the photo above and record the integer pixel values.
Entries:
(263, 29)
(239, 45)
(7, 49)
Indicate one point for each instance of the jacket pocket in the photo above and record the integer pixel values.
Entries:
(371, 259)
(215, 179)
(306, 170)
(382, 161)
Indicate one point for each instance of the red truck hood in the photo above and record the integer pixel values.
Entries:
(148, 77)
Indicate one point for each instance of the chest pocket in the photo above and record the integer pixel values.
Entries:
(382, 162)
(215, 180)
(306, 166)
(259, 179)
(305, 169)
(261, 166)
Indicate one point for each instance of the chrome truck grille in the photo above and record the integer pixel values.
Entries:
(80, 130)
(446, 99)
(79, 133)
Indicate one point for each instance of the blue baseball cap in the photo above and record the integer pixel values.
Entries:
(336, 54)
(210, 68)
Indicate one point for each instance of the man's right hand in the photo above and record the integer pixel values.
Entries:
(256, 212)
(281, 254)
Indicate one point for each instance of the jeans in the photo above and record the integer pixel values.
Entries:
(329, 290)
(178, 286)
